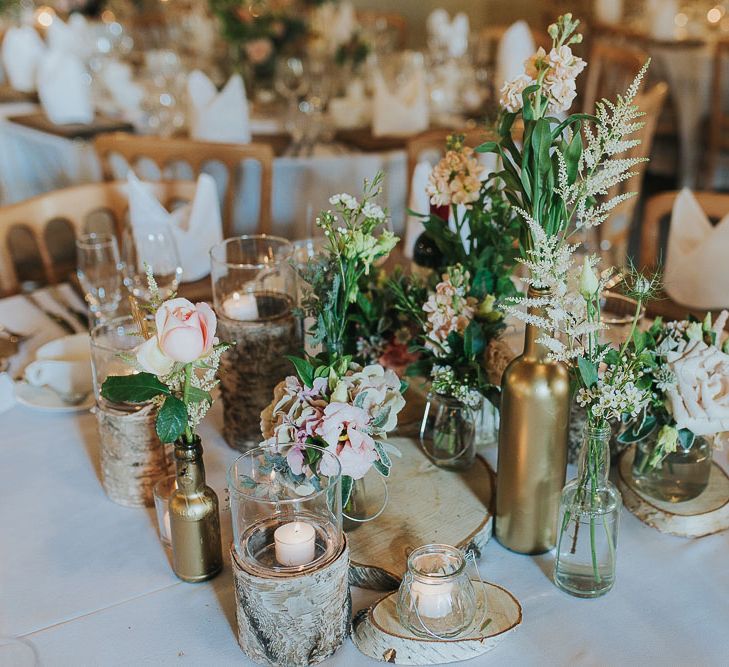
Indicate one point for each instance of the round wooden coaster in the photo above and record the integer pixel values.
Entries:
(427, 505)
(704, 515)
(377, 631)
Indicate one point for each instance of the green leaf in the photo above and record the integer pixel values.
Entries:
(381, 419)
(347, 483)
(138, 388)
(196, 395)
(488, 147)
(473, 339)
(171, 420)
(639, 341)
(382, 469)
(588, 372)
(686, 438)
(638, 430)
(303, 368)
(380, 449)
(572, 155)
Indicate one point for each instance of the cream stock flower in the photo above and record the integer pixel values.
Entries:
(511, 93)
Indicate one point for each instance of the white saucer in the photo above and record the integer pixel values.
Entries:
(41, 398)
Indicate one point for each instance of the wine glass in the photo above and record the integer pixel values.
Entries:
(99, 270)
(291, 81)
(151, 248)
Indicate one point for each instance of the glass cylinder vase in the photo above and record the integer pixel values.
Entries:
(673, 477)
(589, 518)
(287, 513)
(448, 432)
(254, 293)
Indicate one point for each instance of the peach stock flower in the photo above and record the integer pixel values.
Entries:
(448, 310)
(456, 178)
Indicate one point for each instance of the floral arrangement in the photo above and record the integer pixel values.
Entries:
(688, 374)
(558, 179)
(456, 312)
(336, 403)
(177, 366)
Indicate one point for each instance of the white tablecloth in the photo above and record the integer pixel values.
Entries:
(87, 582)
(33, 162)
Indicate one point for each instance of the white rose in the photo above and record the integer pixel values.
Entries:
(151, 358)
(700, 399)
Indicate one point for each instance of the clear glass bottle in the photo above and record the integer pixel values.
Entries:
(436, 597)
(676, 477)
(589, 518)
(448, 432)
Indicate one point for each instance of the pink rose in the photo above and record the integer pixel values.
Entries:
(185, 332)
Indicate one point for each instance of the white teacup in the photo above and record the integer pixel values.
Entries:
(64, 365)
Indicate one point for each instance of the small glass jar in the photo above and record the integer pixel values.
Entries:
(436, 597)
(487, 425)
(286, 513)
(675, 477)
(448, 432)
(367, 500)
(589, 516)
(162, 491)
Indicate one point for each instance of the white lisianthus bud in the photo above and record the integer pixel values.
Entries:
(694, 331)
(589, 284)
(339, 395)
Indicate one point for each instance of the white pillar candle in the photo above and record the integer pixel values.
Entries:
(432, 600)
(166, 528)
(241, 306)
(295, 543)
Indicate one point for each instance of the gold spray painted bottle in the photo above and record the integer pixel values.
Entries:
(535, 406)
(194, 519)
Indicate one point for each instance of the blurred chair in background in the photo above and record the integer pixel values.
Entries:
(719, 122)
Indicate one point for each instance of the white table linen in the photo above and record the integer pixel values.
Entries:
(87, 581)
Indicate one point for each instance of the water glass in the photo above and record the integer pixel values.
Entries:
(162, 491)
(151, 247)
(99, 271)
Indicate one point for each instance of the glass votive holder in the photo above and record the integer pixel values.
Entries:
(162, 491)
(286, 509)
(110, 342)
(254, 293)
(436, 598)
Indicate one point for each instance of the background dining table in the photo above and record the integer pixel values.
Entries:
(87, 582)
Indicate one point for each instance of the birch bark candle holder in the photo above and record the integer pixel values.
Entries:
(254, 293)
(290, 558)
(131, 455)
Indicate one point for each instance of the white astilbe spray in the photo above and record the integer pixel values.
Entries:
(598, 170)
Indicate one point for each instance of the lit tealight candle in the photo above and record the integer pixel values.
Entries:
(241, 306)
(295, 543)
(432, 600)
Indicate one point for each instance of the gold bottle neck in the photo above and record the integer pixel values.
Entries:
(190, 468)
(532, 348)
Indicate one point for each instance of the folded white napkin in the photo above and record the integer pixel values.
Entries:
(609, 11)
(419, 203)
(22, 50)
(125, 93)
(516, 45)
(449, 34)
(697, 271)
(662, 18)
(64, 89)
(404, 112)
(352, 110)
(73, 37)
(196, 227)
(218, 116)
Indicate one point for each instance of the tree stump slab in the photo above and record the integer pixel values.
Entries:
(704, 515)
(427, 505)
(294, 621)
(378, 633)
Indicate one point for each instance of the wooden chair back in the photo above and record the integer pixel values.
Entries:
(657, 220)
(719, 122)
(611, 70)
(165, 152)
(434, 141)
(74, 206)
(615, 231)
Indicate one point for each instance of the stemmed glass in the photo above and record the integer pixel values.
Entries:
(291, 81)
(152, 247)
(99, 270)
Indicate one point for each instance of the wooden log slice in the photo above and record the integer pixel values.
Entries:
(704, 515)
(378, 633)
(295, 621)
(132, 457)
(427, 505)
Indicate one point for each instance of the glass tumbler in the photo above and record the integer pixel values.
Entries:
(99, 270)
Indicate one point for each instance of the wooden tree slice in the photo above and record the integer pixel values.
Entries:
(704, 515)
(427, 505)
(378, 633)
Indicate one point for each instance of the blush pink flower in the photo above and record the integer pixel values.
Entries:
(185, 331)
(344, 427)
(448, 310)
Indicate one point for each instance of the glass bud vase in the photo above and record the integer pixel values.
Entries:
(487, 425)
(674, 477)
(589, 516)
(448, 432)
